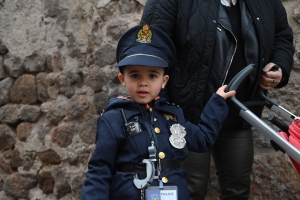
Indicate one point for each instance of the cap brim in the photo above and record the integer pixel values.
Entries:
(146, 60)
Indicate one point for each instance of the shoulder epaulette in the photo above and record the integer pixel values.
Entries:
(173, 104)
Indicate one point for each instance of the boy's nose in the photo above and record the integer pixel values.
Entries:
(143, 83)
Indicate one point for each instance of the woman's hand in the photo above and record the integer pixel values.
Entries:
(270, 79)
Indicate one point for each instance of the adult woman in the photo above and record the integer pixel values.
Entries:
(214, 40)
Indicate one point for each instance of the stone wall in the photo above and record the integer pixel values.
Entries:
(56, 75)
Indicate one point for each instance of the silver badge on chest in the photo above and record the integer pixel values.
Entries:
(177, 136)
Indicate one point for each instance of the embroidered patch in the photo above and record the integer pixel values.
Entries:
(170, 117)
(144, 35)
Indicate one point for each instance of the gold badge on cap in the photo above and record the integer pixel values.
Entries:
(144, 35)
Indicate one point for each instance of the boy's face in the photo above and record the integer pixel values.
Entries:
(143, 83)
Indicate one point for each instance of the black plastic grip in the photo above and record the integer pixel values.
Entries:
(280, 124)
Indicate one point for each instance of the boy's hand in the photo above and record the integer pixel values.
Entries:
(225, 95)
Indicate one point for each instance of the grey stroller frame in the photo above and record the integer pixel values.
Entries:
(258, 123)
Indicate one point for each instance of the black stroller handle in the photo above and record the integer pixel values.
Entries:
(255, 121)
(236, 81)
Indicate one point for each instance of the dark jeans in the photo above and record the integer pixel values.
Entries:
(233, 157)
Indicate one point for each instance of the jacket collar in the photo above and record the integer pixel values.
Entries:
(132, 108)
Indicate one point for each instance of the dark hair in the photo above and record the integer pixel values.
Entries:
(122, 69)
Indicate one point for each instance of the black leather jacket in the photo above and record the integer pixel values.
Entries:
(192, 25)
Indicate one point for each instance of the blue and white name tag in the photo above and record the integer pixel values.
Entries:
(165, 193)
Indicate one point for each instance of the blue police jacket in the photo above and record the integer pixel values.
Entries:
(116, 148)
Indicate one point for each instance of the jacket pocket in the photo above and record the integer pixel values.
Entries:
(138, 145)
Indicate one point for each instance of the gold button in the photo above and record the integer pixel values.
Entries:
(157, 130)
(164, 179)
(150, 109)
(161, 155)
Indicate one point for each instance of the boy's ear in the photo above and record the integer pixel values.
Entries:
(166, 78)
(121, 79)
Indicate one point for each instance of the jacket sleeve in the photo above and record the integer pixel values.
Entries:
(283, 50)
(162, 14)
(202, 137)
(101, 166)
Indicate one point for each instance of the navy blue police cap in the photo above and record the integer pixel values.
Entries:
(145, 45)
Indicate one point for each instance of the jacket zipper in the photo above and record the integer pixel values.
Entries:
(233, 51)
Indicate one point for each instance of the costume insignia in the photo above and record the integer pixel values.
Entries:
(170, 117)
(177, 138)
(144, 35)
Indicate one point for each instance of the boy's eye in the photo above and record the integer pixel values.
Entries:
(153, 75)
(134, 75)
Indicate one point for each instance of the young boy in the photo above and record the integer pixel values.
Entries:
(141, 139)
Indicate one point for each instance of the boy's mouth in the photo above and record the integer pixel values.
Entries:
(142, 93)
